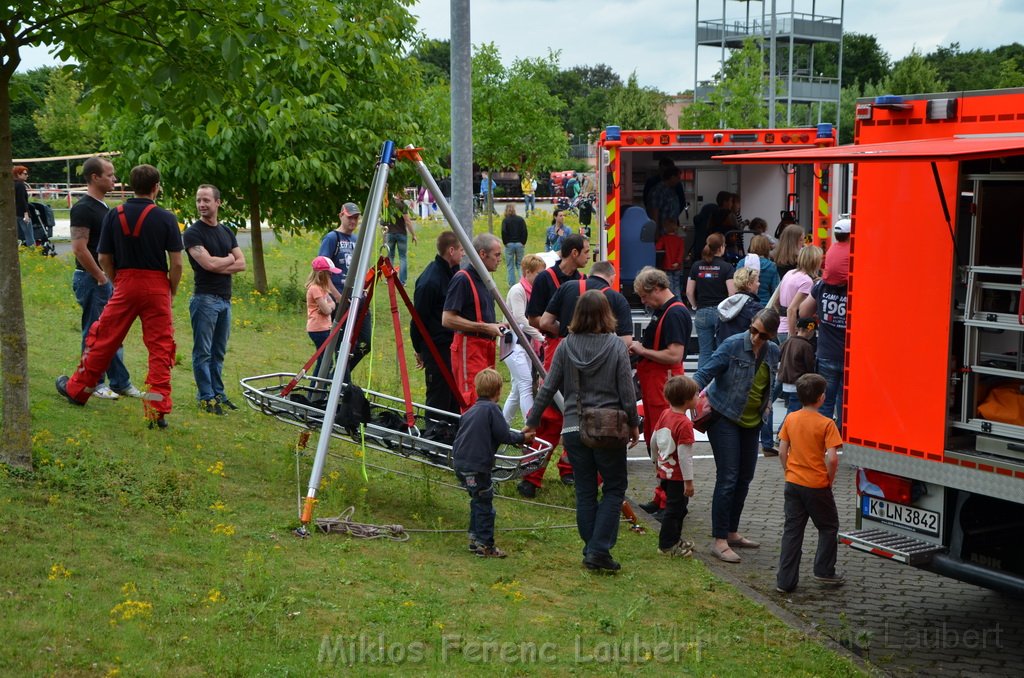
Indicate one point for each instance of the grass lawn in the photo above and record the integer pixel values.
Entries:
(138, 552)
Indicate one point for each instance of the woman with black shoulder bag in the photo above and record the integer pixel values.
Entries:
(591, 369)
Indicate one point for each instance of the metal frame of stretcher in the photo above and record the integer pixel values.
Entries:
(263, 393)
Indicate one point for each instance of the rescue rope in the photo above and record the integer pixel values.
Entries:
(343, 523)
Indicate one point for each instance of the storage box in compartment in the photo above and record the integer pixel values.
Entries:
(1000, 446)
(1000, 349)
(1002, 401)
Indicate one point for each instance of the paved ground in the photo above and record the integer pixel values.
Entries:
(904, 621)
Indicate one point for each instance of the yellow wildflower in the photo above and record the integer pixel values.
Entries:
(58, 571)
(130, 609)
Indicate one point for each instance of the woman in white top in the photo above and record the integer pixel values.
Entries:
(520, 398)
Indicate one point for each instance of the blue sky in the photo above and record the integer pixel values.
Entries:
(655, 37)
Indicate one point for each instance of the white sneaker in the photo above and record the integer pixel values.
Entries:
(103, 391)
(132, 392)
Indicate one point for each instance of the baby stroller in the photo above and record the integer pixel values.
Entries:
(42, 227)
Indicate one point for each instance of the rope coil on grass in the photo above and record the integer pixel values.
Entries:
(343, 523)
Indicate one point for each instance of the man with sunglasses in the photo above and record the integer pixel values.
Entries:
(738, 379)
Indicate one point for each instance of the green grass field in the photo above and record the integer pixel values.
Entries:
(138, 552)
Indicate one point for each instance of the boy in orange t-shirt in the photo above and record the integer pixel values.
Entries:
(809, 458)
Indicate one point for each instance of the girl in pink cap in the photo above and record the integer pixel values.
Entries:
(319, 303)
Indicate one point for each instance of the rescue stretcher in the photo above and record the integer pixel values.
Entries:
(386, 430)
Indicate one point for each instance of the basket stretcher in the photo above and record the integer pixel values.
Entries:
(264, 394)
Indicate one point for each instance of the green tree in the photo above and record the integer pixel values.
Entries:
(587, 92)
(636, 107)
(913, 75)
(436, 58)
(515, 118)
(864, 60)
(25, 24)
(960, 70)
(1010, 74)
(60, 121)
(738, 97)
(141, 55)
(262, 139)
(27, 91)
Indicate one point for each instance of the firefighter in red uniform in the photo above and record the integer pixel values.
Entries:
(135, 244)
(661, 351)
(575, 254)
(469, 312)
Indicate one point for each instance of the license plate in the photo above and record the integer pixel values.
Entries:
(910, 518)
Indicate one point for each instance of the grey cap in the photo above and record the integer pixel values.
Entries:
(349, 209)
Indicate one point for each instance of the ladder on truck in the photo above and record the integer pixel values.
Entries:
(993, 323)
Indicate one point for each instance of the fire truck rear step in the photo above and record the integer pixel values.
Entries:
(889, 545)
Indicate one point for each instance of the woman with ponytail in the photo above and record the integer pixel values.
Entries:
(709, 284)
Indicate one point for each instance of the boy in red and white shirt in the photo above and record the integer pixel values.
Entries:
(673, 441)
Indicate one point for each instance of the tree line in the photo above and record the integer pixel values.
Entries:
(742, 82)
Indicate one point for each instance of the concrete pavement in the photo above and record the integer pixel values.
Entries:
(904, 621)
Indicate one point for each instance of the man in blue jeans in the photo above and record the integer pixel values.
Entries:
(828, 302)
(214, 255)
(400, 229)
(91, 285)
(513, 235)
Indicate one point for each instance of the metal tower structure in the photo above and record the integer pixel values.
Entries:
(796, 33)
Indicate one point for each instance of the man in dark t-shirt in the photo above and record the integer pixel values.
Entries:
(661, 350)
(90, 284)
(214, 255)
(829, 303)
(469, 314)
(558, 315)
(137, 240)
(428, 300)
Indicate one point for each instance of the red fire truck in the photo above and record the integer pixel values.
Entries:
(933, 414)
(628, 159)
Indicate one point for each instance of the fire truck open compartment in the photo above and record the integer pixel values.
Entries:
(986, 314)
(935, 329)
(628, 159)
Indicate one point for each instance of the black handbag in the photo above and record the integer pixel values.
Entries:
(601, 427)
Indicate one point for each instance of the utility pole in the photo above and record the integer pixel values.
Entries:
(462, 114)
(771, 71)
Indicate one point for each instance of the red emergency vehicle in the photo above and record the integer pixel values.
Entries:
(934, 395)
(627, 160)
